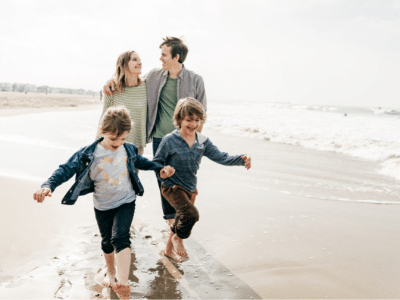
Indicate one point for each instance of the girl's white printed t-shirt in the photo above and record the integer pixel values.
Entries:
(112, 185)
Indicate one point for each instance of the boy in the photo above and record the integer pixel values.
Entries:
(183, 149)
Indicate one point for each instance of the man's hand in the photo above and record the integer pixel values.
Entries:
(166, 172)
(247, 161)
(109, 87)
(41, 194)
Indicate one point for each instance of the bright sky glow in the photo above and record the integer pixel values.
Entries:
(337, 52)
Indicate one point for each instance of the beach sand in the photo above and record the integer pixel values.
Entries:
(287, 228)
(21, 103)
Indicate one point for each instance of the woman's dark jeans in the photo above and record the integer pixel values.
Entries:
(169, 211)
(114, 226)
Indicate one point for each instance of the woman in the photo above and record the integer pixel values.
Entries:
(130, 92)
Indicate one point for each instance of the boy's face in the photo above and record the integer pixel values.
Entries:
(112, 142)
(190, 124)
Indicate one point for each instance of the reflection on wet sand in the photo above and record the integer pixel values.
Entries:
(79, 270)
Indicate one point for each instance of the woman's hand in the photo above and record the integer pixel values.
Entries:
(247, 161)
(166, 172)
(41, 194)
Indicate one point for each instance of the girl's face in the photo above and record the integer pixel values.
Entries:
(189, 125)
(135, 64)
(112, 142)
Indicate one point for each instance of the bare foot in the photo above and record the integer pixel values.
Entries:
(123, 291)
(178, 246)
(173, 255)
(109, 279)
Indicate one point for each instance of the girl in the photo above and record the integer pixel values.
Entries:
(108, 170)
(183, 150)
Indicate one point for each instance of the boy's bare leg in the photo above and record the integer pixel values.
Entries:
(109, 279)
(122, 287)
(178, 246)
(169, 248)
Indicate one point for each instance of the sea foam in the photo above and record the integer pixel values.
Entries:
(367, 133)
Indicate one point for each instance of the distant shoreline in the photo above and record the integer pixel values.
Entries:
(21, 103)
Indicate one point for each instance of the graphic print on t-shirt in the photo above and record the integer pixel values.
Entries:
(104, 169)
(112, 184)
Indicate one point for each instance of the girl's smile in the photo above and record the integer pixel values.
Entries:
(112, 142)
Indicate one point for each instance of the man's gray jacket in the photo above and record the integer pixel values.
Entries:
(189, 84)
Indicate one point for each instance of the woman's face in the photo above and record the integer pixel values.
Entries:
(135, 64)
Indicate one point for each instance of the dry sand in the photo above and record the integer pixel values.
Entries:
(21, 103)
(258, 236)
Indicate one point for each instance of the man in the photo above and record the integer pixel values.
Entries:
(165, 87)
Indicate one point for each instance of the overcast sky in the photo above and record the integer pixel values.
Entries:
(337, 52)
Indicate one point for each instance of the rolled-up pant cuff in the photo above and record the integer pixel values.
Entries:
(170, 216)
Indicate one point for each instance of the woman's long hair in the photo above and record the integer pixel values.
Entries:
(122, 69)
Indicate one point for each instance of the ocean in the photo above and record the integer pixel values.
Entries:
(368, 133)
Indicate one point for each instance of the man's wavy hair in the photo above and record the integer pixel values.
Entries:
(122, 69)
(188, 107)
(177, 47)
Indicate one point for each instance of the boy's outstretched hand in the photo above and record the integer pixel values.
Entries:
(41, 194)
(166, 172)
(247, 161)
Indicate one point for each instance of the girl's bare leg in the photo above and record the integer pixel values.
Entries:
(109, 279)
(123, 260)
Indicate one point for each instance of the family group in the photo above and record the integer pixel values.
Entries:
(167, 107)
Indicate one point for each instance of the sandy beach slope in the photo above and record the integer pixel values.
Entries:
(285, 229)
(21, 103)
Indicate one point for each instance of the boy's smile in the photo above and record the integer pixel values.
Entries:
(189, 125)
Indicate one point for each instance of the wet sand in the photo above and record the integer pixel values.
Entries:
(282, 230)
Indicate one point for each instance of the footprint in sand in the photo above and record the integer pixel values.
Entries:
(63, 290)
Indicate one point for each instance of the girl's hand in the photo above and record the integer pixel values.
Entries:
(41, 194)
(247, 161)
(166, 172)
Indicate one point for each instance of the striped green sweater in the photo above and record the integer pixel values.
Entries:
(135, 100)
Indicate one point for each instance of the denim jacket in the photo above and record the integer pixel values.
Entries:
(80, 163)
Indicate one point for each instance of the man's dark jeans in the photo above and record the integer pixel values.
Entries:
(169, 211)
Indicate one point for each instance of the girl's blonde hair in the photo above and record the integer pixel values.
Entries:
(188, 107)
(120, 72)
(116, 120)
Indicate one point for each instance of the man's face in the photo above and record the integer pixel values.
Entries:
(167, 61)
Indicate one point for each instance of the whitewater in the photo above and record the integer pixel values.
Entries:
(363, 132)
